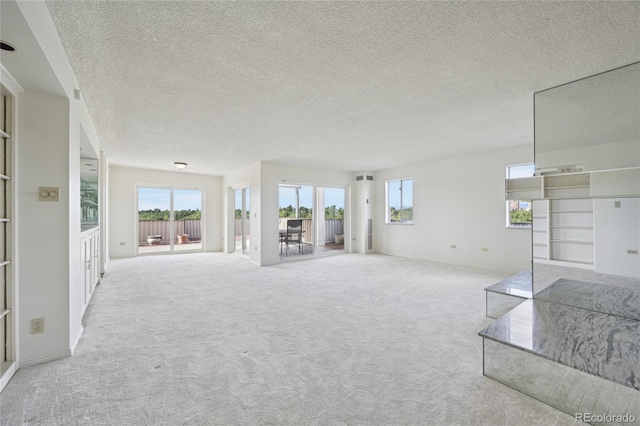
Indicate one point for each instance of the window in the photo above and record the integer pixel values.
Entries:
(400, 201)
(519, 214)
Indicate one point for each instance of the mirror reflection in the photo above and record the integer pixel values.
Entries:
(586, 219)
(88, 193)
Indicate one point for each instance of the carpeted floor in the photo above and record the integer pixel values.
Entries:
(200, 339)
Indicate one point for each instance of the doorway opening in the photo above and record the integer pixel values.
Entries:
(170, 220)
(311, 220)
(242, 220)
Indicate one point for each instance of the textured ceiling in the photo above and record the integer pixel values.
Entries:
(347, 85)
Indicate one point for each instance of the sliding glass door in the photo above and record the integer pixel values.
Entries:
(242, 221)
(331, 201)
(169, 220)
(319, 211)
(296, 220)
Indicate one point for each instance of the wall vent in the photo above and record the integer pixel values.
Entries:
(359, 177)
(369, 177)
(370, 234)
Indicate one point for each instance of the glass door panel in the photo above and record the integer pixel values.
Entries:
(154, 220)
(247, 221)
(187, 213)
(242, 215)
(330, 230)
(296, 209)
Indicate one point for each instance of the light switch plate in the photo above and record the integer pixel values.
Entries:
(49, 193)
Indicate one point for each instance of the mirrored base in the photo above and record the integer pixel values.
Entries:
(582, 395)
(508, 293)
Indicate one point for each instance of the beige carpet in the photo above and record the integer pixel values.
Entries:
(199, 339)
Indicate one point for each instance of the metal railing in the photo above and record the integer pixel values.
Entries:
(193, 227)
(331, 228)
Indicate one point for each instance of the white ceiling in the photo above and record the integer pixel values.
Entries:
(347, 85)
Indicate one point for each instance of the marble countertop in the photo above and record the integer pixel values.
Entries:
(519, 285)
(609, 299)
(606, 346)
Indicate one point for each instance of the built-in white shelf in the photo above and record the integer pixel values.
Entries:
(590, 243)
(615, 183)
(595, 184)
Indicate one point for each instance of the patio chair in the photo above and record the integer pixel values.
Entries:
(293, 235)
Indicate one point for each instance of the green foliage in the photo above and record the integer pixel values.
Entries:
(157, 214)
(401, 215)
(290, 212)
(520, 216)
(333, 213)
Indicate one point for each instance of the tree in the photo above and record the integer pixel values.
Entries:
(333, 213)
(157, 214)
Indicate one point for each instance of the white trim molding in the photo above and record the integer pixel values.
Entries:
(9, 82)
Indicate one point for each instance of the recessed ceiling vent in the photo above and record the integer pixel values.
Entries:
(359, 177)
(7, 47)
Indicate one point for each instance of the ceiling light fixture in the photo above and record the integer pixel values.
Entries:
(180, 165)
(7, 47)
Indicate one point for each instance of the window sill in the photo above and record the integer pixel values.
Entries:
(519, 227)
(399, 223)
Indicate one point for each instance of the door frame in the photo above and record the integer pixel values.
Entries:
(232, 219)
(172, 236)
(314, 219)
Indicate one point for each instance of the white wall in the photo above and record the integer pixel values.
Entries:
(458, 201)
(616, 230)
(122, 205)
(43, 232)
(272, 175)
(48, 259)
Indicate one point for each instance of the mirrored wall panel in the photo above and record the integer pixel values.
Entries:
(586, 217)
(88, 193)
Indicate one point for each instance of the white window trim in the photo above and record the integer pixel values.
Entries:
(386, 202)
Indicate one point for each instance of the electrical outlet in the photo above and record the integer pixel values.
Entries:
(37, 326)
(453, 246)
(629, 251)
(485, 249)
(616, 204)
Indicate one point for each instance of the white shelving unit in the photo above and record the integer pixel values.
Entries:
(524, 188)
(571, 230)
(563, 229)
(572, 185)
(540, 230)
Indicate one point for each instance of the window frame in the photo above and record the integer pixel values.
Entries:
(509, 224)
(388, 220)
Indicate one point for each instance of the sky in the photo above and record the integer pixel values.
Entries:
(393, 193)
(524, 170)
(159, 198)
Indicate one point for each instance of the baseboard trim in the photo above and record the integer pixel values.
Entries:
(77, 339)
(45, 358)
(8, 370)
